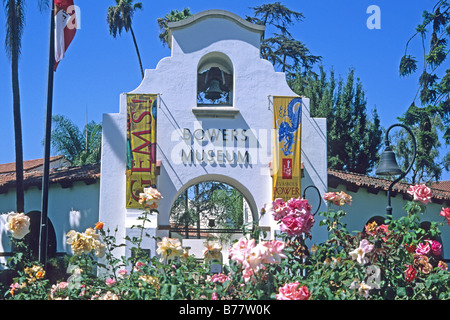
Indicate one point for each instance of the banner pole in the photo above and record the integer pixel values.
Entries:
(43, 239)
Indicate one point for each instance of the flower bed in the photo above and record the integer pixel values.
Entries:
(392, 259)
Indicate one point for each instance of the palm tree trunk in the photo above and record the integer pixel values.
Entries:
(20, 202)
(137, 51)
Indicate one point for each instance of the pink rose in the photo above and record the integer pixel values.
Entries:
(247, 274)
(297, 223)
(292, 225)
(63, 285)
(299, 204)
(329, 196)
(384, 229)
(219, 277)
(423, 248)
(254, 258)
(239, 251)
(138, 265)
(122, 272)
(280, 209)
(445, 212)
(274, 252)
(290, 291)
(420, 193)
(436, 247)
(110, 282)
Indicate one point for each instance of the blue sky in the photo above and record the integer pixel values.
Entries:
(98, 68)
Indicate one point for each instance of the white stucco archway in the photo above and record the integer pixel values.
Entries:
(245, 126)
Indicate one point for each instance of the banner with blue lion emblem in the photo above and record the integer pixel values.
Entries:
(287, 117)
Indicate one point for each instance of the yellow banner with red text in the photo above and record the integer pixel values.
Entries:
(141, 146)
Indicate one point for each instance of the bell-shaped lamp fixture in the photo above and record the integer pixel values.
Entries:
(388, 164)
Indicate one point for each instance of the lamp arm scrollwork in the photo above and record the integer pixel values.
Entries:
(318, 192)
(386, 141)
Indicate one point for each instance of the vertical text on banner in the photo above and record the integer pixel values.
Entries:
(141, 146)
(287, 116)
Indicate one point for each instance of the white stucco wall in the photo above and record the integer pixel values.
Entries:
(69, 208)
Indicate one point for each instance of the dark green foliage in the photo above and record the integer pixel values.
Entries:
(281, 48)
(431, 116)
(78, 147)
(173, 16)
(353, 138)
(408, 65)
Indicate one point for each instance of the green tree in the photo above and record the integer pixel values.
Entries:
(275, 14)
(429, 165)
(285, 52)
(173, 16)
(78, 147)
(120, 17)
(15, 22)
(209, 200)
(354, 139)
(429, 111)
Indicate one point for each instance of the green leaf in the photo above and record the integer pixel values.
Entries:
(173, 291)
(401, 291)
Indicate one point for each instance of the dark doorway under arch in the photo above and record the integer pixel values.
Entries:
(32, 239)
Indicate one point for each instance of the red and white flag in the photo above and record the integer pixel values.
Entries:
(65, 27)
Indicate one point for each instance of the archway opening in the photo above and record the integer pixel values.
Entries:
(209, 211)
(208, 208)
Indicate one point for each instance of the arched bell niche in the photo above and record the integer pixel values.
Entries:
(215, 80)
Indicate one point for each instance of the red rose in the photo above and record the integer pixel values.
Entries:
(410, 274)
(410, 248)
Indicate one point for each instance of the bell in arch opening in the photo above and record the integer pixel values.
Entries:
(215, 80)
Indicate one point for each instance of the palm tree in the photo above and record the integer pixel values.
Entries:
(15, 21)
(120, 17)
(173, 16)
(78, 147)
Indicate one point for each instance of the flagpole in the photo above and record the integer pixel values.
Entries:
(43, 239)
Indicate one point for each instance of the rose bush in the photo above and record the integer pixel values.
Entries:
(393, 259)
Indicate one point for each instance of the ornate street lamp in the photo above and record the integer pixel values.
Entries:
(388, 164)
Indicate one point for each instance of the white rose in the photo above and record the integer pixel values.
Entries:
(18, 224)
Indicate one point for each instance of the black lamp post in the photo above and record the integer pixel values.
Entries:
(388, 164)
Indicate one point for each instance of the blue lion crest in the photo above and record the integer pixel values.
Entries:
(290, 125)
